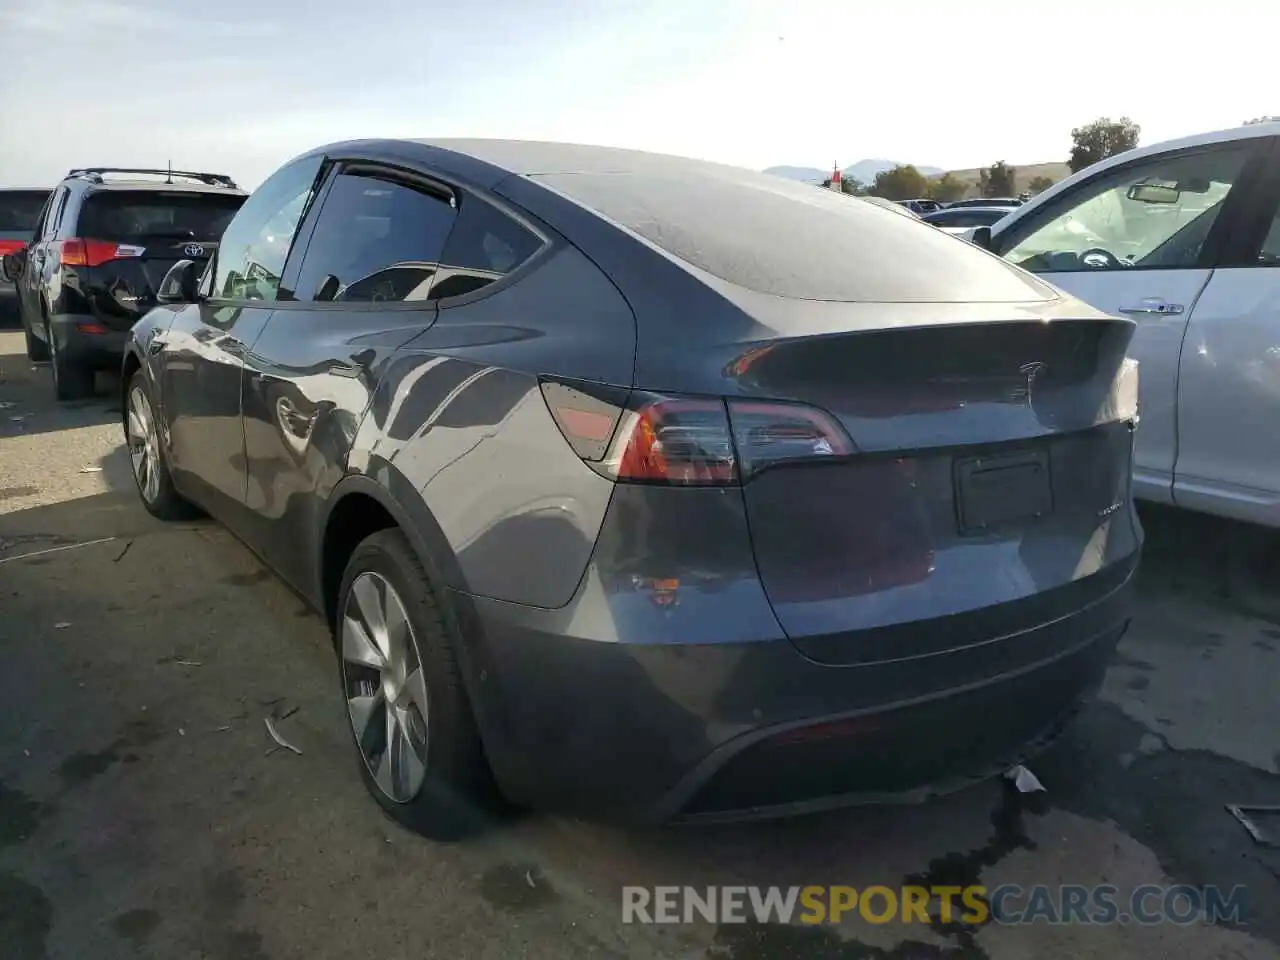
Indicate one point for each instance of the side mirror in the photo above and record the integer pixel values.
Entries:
(179, 284)
(980, 237)
(11, 265)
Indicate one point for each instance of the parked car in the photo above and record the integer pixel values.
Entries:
(987, 202)
(19, 211)
(921, 206)
(646, 488)
(104, 241)
(960, 220)
(1184, 238)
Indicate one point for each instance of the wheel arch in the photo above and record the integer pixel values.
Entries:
(352, 513)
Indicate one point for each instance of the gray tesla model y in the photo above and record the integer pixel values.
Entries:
(642, 487)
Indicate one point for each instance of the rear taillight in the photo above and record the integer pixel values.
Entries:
(688, 441)
(11, 246)
(92, 253)
(767, 434)
(678, 441)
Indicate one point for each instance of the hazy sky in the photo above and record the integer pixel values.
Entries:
(239, 86)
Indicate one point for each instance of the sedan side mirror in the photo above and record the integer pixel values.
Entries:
(180, 283)
(11, 266)
(980, 237)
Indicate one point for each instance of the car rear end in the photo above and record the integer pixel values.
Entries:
(126, 237)
(872, 533)
(19, 214)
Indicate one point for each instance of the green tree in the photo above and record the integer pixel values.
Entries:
(853, 186)
(1101, 139)
(1040, 184)
(900, 183)
(997, 180)
(946, 188)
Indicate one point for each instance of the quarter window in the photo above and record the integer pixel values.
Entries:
(484, 246)
(376, 240)
(252, 254)
(1153, 214)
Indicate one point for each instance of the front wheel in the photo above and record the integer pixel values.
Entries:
(416, 739)
(150, 470)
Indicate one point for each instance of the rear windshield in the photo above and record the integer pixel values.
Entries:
(126, 215)
(20, 209)
(797, 241)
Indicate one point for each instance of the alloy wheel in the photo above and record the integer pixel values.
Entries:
(384, 687)
(144, 445)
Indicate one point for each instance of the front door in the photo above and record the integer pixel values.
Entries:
(1140, 241)
(207, 343)
(372, 247)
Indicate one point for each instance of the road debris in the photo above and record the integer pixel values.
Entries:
(528, 878)
(1242, 811)
(6, 404)
(1024, 780)
(90, 469)
(61, 626)
(120, 555)
(275, 735)
(189, 663)
(68, 546)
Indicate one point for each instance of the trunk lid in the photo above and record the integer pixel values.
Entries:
(991, 462)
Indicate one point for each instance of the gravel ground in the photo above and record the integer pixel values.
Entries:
(143, 813)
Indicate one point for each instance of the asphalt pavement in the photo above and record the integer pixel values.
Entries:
(145, 811)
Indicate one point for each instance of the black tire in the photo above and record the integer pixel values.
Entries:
(458, 797)
(71, 381)
(37, 349)
(167, 504)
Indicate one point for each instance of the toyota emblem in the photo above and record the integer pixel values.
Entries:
(193, 250)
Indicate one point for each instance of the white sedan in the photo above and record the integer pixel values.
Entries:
(1184, 238)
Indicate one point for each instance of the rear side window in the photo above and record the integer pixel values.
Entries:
(142, 215)
(795, 241)
(376, 240)
(20, 210)
(485, 245)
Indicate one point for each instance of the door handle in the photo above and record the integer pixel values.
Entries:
(1154, 307)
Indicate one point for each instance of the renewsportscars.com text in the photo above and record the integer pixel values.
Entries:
(973, 905)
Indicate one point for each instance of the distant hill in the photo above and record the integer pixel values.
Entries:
(863, 171)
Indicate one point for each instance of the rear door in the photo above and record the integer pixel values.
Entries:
(1228, 396)
(205, 347)
(1139, 241)
(132, 237)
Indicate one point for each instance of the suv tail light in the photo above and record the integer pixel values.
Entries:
(688, 441)
(11, 246)
(92, 253)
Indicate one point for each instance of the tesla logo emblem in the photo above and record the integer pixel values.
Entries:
(1031, 371)
(193, 250)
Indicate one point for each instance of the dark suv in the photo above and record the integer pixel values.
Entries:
(19, 213)
(102, 244)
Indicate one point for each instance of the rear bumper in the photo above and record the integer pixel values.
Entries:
(83, 340)
(746, 728)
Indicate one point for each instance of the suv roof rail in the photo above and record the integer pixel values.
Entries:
(94, 174)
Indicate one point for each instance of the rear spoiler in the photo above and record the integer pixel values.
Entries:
(212, 179)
